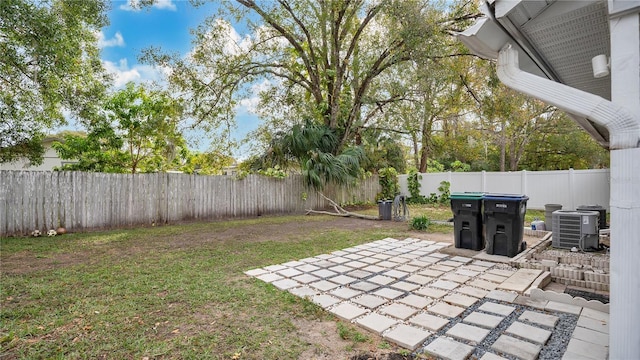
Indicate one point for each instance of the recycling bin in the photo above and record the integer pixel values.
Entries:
(384, 209)
(467, 220)
(504, 223)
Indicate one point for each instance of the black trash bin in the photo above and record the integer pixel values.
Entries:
(384, 209)
(467, 220)
(504, 223)
(602, 214)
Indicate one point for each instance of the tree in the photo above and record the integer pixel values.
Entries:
(49, 66)
(317, 60)
(139, 131)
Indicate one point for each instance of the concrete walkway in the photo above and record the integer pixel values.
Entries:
(412, 294)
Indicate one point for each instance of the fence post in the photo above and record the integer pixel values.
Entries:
(523, 182)
(572, 195)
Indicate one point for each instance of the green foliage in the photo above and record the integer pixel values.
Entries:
(49, 65)
(413, 183)
(420, 223)
(348, 332)
(444, 192)
(434, 165)
(138, 133)
(274, 172)
(314, 148)
(388, 179)
(459, 166)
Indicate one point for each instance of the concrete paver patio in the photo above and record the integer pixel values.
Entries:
(412, 294)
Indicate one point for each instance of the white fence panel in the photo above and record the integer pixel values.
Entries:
(570, 188)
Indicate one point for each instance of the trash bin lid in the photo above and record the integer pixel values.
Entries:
(466, 195)
(506, 197)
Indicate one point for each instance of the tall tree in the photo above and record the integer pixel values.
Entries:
(49, 66)
(139, 131)
(320, 59)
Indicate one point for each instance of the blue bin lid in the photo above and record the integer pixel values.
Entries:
(506, 197)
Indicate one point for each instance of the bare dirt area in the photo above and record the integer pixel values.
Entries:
(26, 261)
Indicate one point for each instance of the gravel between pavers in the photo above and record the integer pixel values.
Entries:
(552, 350)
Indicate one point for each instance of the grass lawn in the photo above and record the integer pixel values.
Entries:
(170, 292)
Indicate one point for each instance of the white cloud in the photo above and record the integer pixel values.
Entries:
(123, 74)
(250, 104)
(116, 40)
(134, 5)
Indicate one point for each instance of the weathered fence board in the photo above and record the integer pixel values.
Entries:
(44, 200)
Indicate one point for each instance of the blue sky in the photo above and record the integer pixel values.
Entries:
(166, 25)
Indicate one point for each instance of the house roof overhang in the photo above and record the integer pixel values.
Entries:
(555, 40)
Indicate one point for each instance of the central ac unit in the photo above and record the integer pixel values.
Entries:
(577, 229)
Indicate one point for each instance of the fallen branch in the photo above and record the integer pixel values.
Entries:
(340, 211)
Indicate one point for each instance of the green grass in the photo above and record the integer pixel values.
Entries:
(171, 292)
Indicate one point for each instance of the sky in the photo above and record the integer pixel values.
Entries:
(166, 25)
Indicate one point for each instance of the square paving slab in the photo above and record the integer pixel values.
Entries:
(499, 309)
(428, 321)
(364, 286)
(449, 349)
(483, 320)
(370, 301)
(348, 311)
(470, 333)
(431, 292)
(388, 293)
(539, 318)
(399, 311)
(459, 299)
(419, 302)
(446, 310)
(528, 332)
(404, 286)
(376, 322)
(519, 348)
(407, 336)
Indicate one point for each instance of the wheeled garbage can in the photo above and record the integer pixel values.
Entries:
(384, 209)
(504, 223)
(467, 220)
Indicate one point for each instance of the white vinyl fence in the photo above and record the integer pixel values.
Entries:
(570, 188)
(76, 200)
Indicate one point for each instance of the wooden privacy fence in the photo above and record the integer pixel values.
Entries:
(77, 200)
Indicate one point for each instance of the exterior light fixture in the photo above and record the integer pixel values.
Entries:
(600, 65)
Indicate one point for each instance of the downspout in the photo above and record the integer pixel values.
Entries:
(624, 129)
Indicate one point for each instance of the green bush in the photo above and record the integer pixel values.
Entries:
(388, 179)
(444, 191)
(420, 223)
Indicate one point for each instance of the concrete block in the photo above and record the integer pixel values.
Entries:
(345, 293)
(528, 332)
(520, 281)
(387, 264)
(519, 348)
(442, 268)
(431, 273)
(539, 318)
(591, 336)
(459, 299)
(431, 292)
(500, 295)
(285, 284)
(428, 321)
(325, 301)
(308, 268)
(388, 293)
(502, 272)
(443, 284)
(324, 285)
(303, 291)
(396, 274)
(340, 269)
(499, 309)
(594, 314)
(269, 277)
(593, 324)
(588, 350)
(407, 336)
(289, 272)
(376, 322)
(457, 278)
(562, 307)
(370, 301)
(339, 260)
(404, 286)
(274, 268)
(364, 286)
(408, 268)
(446, 310)
(491, 356)
(467, 272)
(419, 279)
(462, 259)
(356, 264)
(348, 311)
(466, 332)
(419, 302)
(483, 320)
(369, 260)
(381, 280)
(528, 301)
(342, 279)
(324, 273)
(256, 272)
(399, 311)
(472, 291)
(359, 274)
(354, 256)
(449, 349)
(483, 284)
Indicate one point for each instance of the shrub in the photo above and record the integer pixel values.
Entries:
(420, 223)
(388, 179)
